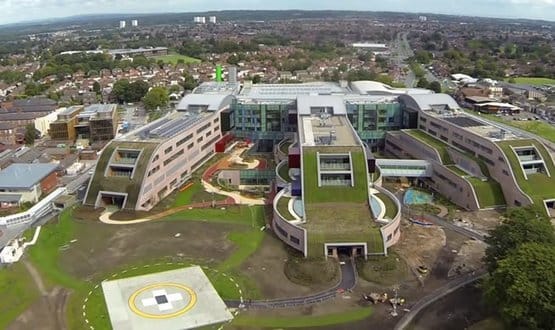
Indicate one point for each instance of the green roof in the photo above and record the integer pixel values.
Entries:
(538, 186)
(283, 208)
(338, 214)
(489, 192)
(121, 184)
(437, 144)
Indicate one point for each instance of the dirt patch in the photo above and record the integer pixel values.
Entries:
(103, 248)
(266, 268)
(481, 221)
(420, 246)
(469, 258)
(47, 313)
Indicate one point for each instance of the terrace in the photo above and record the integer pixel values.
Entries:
(283, 171)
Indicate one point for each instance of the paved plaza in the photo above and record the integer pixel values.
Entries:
(172, 300)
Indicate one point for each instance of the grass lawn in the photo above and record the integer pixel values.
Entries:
(383, 270)
(46, 254)
(437, 144)
(534, 81)
(173, 58)
(390, 207)
(258, 321)
(18, 292)
(537, 186)
(196, 194)
(232, 214)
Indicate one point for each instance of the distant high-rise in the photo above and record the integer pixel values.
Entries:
(199, 19)
(232, 74)
(134, 23)
(212, 19)
(122, 24)
(422, 18)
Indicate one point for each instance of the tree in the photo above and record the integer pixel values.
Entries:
(189, 83)
(119, 91)
(522, 225)
(256, 79)
(423, 83)
(156, 97)
(435, 86)
(96, 87)
(137, 90)
(30, 134)
(522, 287)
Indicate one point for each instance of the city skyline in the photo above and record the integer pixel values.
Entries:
(28, 10)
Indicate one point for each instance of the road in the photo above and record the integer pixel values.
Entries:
(458, 229)
(348, 281)
(436, 295)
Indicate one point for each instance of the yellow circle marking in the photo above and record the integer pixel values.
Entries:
(136, 310)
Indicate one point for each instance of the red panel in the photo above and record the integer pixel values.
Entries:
(294, 161)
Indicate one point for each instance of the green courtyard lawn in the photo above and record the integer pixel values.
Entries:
(258, 321)
(196, 194)
(18, 292)
(173, 58)
(534, 81)
(433, 142)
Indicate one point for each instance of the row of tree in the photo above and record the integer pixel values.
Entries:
(152, 98)
(520, 260)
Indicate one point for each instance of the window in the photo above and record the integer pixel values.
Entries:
(174, 157)
(168, 150)
(185, 139)
(217, 120)
(203, 128)
(190, 146)
(294, 239)
(200, 139)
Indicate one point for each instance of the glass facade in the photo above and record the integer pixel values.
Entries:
(372, 120)
(272, 120)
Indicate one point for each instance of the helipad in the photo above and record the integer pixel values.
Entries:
(173, 300)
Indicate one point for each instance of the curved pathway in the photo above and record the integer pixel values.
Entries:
(347, 282)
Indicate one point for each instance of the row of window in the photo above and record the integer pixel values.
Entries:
(174, 157)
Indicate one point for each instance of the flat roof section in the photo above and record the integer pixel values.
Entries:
(332, 131)
(24, 176)
(172, 300)
(291, 91)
